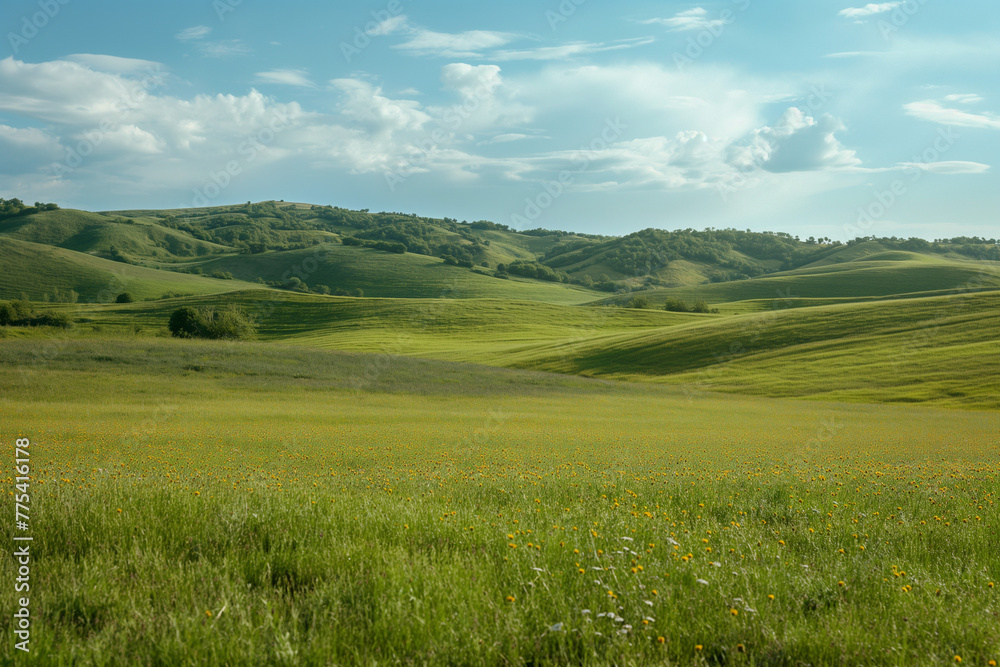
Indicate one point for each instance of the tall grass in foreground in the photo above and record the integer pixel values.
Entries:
(518, 567)
(217, 504)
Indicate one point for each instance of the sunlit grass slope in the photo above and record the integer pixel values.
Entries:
(88, 232)
(384, 274)
(939, 349)
(881, 275)
(36, 269)
(492, 331)
(208, 503)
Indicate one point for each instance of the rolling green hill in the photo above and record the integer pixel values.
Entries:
(382, 274)
(869, 276)
(493, 331)
(102, 235)
(393, 254)
(880, 320)
(937, 349)
(36, 270)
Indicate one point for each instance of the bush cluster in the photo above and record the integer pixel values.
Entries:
(680, 306)
(20, 313)
(229, 324)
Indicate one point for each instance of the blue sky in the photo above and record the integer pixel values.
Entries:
(819, 118)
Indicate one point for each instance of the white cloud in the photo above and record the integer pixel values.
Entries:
(797, 142)
(933, 111)
(471, 80)
(26, 149)
(870, 9)
(691, 19)
(114, 64)
(948, 167)
(196, 32)
(678, 131)
(286, 77)
(963, 98)
(570, 50)
(505, 138)
(131, 139)
(857, 54)
(486, 105)
(470, 44)
(223, 49)
(390, 25)
(365, 105)
(68, 92)
(125, 135)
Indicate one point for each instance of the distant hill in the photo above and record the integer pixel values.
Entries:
(42, 272)
(306, 247)
(939, 350)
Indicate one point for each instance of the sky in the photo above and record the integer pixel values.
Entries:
(825, 118)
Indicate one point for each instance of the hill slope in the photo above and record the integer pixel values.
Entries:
(36, 270)
(383, 274)
(879, 275)
(939, 349)
(94, 233)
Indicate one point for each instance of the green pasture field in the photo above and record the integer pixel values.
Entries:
(213, 503)
(938, 350)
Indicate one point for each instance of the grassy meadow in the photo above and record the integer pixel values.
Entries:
(255, 503)
(466, 466)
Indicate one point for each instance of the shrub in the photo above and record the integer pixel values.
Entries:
(229, 324)
(675, 305)
(390, 246)
(19, 313)
(61, 320)
(187, 322)
(124, 297)
(637, 302)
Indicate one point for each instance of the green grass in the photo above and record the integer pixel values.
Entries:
(87, 232)
(218, 503)
(383, 274)
(939, 349)
(862, 279)
(934, 350)
(481, 330)
(36, 269)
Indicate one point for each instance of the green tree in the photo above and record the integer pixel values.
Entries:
(676, 305)
(230, 324)
(187, 322)
(124, 297)
(637, 302)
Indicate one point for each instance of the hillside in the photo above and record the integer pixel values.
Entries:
(493, 331)
(875, 320)
(38, 270)
(383, 274)
(879, 274)
(938, 349)
(402, 255)
(933, 350)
